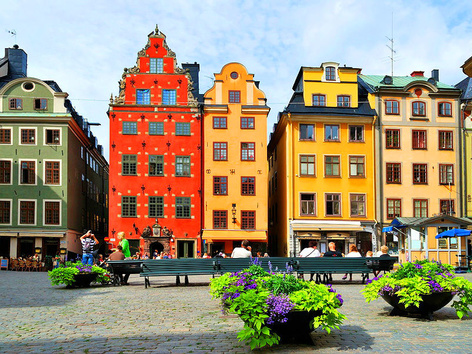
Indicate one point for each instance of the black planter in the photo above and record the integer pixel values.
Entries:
(429, 304)
(298, 327)
(83, 280)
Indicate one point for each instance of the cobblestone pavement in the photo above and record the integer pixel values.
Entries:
(37, 318)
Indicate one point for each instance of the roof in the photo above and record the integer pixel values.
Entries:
(374, 82)
(466, 87)
(412, 221)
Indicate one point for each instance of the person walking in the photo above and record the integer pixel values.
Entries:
(124, 243)
(89, 241)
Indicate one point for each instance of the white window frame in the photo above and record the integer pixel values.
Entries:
(11, 210)
(11, 172)
(36, 138)
(35, 172)
(60, 211)
(60, 172)
(45, 136)
(11, 135)
(35, 211)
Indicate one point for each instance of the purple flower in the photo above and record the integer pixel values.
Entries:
(339, 297)
(278, 308)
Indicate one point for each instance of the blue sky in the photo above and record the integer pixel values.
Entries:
(84, 45)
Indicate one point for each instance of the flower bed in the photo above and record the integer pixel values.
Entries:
(66, 274)
(264, 300)
(415, 280)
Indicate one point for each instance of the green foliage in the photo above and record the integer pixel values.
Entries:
(246, 293)
(413, 280)
(65, 273)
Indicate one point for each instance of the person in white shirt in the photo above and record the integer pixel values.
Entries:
(242, 252)
(353, 252)
(311, 251)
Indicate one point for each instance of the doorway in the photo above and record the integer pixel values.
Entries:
(155, 246)
(4, 246)
(185, 249)
(51, 247)
(25, 246)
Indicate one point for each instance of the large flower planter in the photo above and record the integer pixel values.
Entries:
(298, 327)
(83, 280)
(430, 303)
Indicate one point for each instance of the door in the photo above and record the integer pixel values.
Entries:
(185, 249)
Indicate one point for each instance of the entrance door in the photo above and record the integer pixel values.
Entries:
(5, 246)
(185, 249)
(51, 247)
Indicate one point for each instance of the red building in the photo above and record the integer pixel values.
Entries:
(155, 154)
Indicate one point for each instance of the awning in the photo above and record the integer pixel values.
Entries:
(326, 225)
(391, 228)
(234, 235)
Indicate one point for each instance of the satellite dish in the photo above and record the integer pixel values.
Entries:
(387, 80)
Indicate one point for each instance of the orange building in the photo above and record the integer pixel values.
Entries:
(235, 162)
(155, 154)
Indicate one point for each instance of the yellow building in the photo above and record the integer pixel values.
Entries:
(418, 149)
(321, 164)
(235, 162)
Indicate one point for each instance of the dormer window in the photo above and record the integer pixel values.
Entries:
(16, 103)
(330, 73)
(40, 104)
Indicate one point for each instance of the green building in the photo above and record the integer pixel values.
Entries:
(53, 176)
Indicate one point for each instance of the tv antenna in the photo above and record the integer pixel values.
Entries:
(12, 33)
(392, 51)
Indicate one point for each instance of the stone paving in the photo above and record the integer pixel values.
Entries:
(39, 318)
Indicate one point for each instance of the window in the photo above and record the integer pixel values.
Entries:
(248, 152)
(394, 208)
(319, 100)
(53, 172)
(143, 96)
(220, 151)
(182, 166)
(344, 101)
(356, 166)
(5, 136)
(156, 128)
(307, 132)
(130, 128)
(307, 165)
(156, 165)
(419, 108)
(16, 103)
(446, 140)
(53, 136)
(156, 207)
(182, 128)
(392, 138)
(394, 172)
(445, 109)
(52, 213)
(420, 173)
(307, 204)
(28, 136)
(182, 207)
(220, 185)
(40, 104)
(357, 204)
(330, 73)
(392, 107)
(5, 172)
(128, 207)
(5, 212)
(156, 65)
(220, 219)
(332, 166)
(248, 220)
(247, 122)
(28, 172)
(169, 97)
(419, 140)
(420, 208)
(129, 165)
(27, 211)
(248, 185)
(219, 123)
(333, 204)
(331, 132)
(234, 96)
(446, 174)
(447, 206)
(356, 133)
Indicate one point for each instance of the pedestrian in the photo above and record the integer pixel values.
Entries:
(242, 252)
(89, 241)
(124, 243)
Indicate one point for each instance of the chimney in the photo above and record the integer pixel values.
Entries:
(417, 73)
(17, 62)
(435, 74)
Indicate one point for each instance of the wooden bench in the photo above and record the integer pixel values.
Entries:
(118, 268)
(177, 267)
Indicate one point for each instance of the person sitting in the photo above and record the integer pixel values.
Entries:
(331, 253)
(311, 251)
(118, 255)
(384, 254)
(353, 252)
(242, 252)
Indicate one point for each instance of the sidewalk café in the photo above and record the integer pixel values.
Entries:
(417, 239)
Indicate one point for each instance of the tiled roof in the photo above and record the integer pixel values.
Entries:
(466, 87)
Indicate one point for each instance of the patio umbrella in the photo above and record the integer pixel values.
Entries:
(455, 233)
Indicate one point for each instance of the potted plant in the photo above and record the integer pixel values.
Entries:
(421, 287)
(78, 275)
(275, 306)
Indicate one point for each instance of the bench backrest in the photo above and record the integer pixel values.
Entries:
(130, 266)
(179, 266)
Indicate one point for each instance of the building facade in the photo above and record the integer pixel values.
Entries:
(235, 162)
(418, 149)
(155, 154)
(53, 176)
(321, 179)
